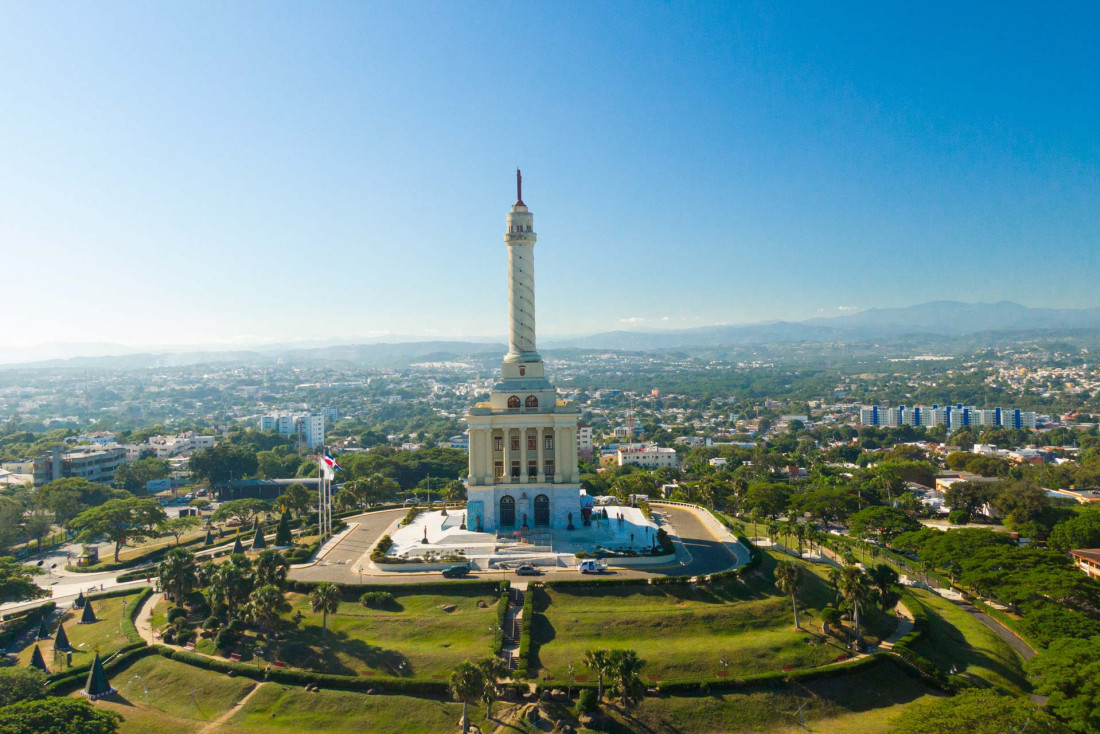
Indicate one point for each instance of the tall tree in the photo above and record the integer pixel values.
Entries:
(325, 598)
(856, 590)
(466, 684)
(626, 668)
(177, 573)
(599, 662)
(177, 526)
(492, 669)
(271, 568)
(120, 520)
(265, 605)
(787, 579)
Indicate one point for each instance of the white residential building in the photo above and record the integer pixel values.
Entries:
(310, 426)
(648, 457)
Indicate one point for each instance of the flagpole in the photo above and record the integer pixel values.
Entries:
(321, 496)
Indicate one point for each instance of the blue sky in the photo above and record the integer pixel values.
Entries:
(219, 172)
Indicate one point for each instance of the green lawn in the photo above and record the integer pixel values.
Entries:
(180, 698)
(277, 708)
(866, 702)
(418, 637)
(685, 632)
(955, 638)
(106, 633)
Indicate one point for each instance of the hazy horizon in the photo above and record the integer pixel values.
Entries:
(227, 174)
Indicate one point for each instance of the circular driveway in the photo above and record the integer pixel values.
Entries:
(698, 552)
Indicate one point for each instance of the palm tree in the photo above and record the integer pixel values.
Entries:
(787, 580)
(466, 683)
(855, 588)
(271, 568)
(265, 605)
(492, 669)
(625, 668)
(802, 532)
(884, 579)
(599, 662)
(790, 529)
(324, 598)
(773, 530)
(848, 556)
(177, 573)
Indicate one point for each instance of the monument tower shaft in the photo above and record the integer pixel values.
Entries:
(520, 239)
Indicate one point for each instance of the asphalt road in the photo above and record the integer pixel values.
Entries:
(699, 552)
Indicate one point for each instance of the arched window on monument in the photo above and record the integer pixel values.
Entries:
(513, 402)
(531, 402)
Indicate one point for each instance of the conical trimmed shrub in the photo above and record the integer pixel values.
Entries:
(209, 537)
(88, 617)
(78, 603)
(61, 640)
(258, 542)
(43, 630)
(37, 661)
(237, 546)
(283, 536)
(97, 685)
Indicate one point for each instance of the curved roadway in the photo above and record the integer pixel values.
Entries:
(698, 552)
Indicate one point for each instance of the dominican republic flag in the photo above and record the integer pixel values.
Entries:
(329, 466)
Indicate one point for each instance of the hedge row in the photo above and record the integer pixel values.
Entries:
(15, 625)
(352, 592)
(759, 679)
(302, 677)
(80, 671)
(502, 616)
(903, 648)
(130, 613)
(70, 680)
(523, 665)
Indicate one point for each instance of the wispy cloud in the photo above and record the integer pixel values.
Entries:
(847, 308)
(632, 320)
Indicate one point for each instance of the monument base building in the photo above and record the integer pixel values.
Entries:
(523, 441)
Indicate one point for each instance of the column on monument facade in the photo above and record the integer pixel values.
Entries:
(475, 458)
(523, 454)
(573, 454)
(507, 455)
(539, 440)
(557, 455)
(486, 455)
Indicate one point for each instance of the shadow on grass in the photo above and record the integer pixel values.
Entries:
(310, 652)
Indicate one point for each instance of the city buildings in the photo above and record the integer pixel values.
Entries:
(647, 457)
(94, 463)
(311, 427)
(951, 416)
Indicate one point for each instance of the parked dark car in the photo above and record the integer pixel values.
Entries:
(456, 572)
(528, 570)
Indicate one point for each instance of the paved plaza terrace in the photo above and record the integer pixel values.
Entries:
(626, 529)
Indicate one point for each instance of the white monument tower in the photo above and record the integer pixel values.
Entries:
(523, 441)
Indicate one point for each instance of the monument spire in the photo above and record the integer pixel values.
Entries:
(520, 238)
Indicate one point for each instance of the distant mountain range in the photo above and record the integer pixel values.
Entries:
(937, 318)
(947, 321)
